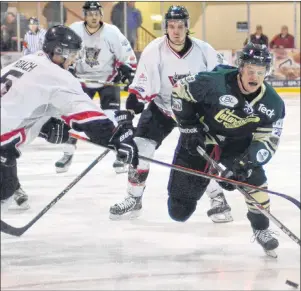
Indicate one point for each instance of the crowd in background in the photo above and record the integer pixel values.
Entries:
(9, 26)
(281, 40)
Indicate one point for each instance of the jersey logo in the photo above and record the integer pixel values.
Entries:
(92, 56)
(230, 120)
(175, 78)
(228, 100)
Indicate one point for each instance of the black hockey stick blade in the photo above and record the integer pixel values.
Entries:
(18, 231)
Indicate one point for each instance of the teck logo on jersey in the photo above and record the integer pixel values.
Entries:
(268, 112)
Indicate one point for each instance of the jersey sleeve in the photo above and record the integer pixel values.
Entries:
(81, 113)
(123, 50)
(213, 58)
(265, 141)
(147, 82)
(186, 93)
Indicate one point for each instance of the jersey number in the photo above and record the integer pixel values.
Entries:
(7, 80)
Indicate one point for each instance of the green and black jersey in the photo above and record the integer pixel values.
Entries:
(215, 100)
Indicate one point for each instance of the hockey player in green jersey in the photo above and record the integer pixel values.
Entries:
(240, 116)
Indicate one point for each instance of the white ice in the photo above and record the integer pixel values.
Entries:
(76, 247)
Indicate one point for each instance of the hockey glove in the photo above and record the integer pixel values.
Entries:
(133, 104)
(191, 137)
(241, 170)
(122, 139)
(55, 131)
(126, 73)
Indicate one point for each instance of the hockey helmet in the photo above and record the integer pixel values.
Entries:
(256, 54)
(177, 12)
(62, 40)
(92, 5)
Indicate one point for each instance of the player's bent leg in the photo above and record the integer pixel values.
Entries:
(110, 102)
(220, 211)
(184, 190)
(9, 182)
(131, 206)
(260, 223)
(63, 164)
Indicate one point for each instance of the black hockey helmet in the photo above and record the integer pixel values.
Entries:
(255, 54)
(62, 40)
(177, 12)
(33, 21)
(92, 5)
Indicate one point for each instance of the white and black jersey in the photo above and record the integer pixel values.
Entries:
(33, 42)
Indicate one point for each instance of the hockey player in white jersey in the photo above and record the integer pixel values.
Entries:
(38, 87)
(162, 63)
(106, 57)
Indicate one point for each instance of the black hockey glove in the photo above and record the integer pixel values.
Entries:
(55, 131)
(133, 104)
(191, 137)
(126, 73)
(122, 139)
(240, 171)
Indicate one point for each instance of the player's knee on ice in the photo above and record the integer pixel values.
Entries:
(180, 209)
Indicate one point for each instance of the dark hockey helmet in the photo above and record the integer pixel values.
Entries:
(62, 40)
(177, 12)
(256, 54)
(33, 21)
(92, 5)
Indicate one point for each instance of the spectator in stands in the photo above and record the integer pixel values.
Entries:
(52, 13)
(283, 40)
(4, 6)
(9, 30)
(134, 20)
(258, 37)
(34, 38)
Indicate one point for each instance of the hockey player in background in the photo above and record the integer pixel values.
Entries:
(107, 56)
(164, 61)
(241, 114)
(38, 87)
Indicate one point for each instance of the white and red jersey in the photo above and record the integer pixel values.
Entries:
(160, 67)
(33, 89)
(103, 52)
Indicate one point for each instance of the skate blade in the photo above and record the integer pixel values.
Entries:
(15, 207)
(61, 170)
(121, 170)
(222, 217)
(271, 253)
(126, 216)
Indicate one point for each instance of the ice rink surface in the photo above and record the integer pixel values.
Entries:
(76, 247)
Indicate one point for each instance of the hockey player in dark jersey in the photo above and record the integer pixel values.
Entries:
(240, 115)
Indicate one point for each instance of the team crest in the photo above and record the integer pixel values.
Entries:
(175, 78)
(92, 56)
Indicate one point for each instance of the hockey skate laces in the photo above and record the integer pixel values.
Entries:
(128, 202)
(265, 235)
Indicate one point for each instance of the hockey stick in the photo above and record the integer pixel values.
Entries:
(255, 203)
(18, 231)
(198, 173)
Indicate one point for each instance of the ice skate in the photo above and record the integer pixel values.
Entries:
(64, 163)
(120, 167)
(220, 211)
(20, 201)
(129, 208)
(267, 241)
